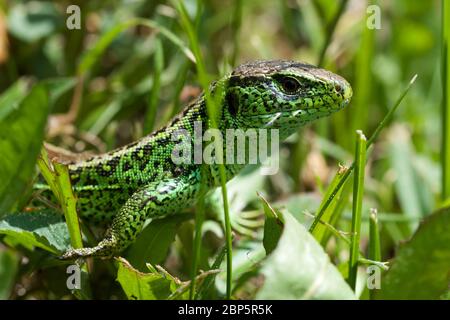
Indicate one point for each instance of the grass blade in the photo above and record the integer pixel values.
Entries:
(21, 135)
(90, 58)
(358, 192)
(181, 80)
(374, 237)
(158, 63)
(236, 26)
(322, 129)
(363, 76)
(57, 176)
(199, 219)
(390, 113)
(208, 282)
(374, 242)
(330, 31)
(212, 104)
(445, 159)
(373, 137)
(341, 200)
(320, 232)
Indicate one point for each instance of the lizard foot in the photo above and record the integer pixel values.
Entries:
(73, 254)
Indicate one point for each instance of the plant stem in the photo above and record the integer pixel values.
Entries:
(374, 136)
(213, 109)
(199, 218)
(330, 31)
(358, 192)
(374, 243)
(152, 107)
(445, 159)
(236, 26)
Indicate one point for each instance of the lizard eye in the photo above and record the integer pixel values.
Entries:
(289, 85)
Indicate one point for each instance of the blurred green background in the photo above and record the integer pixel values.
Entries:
(111, 103)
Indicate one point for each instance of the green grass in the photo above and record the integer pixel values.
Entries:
(363, 76)
(158, 63)
(212, 104)
(343, 179)
(374, 241)
(57, 176)
(329, 32)
(445, 160)
(134, 65)
(358, 193)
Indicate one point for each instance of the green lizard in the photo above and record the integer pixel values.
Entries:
(139, 181)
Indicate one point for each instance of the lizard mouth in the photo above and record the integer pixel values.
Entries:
(286, 116)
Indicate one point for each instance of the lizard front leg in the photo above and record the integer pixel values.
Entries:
(154, 200)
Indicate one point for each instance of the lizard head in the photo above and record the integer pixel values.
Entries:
(283, 94)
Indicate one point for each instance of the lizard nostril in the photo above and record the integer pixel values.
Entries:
(339, 88)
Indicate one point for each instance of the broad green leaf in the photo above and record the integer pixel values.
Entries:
(11, 98)
(43, 229)
(21, 135)
(273, 227)
(8, 269)
(34, 20)
(299, 205)
(152, 244)
(298, 268)
(249, 179)
(421, 268)
(145, 286)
